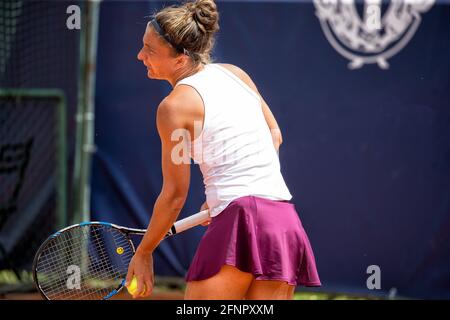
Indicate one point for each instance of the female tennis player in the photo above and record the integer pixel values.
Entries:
(255, 246)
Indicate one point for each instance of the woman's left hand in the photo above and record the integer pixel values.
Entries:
(141, 266)
(204, 207)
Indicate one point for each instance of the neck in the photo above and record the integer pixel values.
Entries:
(185, 72)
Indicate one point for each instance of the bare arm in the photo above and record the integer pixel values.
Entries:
(268, 115)
(176, 178)
(273, 125)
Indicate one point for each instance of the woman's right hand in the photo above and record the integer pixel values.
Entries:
(204, 207)
(141, 266)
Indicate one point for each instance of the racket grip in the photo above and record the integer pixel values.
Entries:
(191, 221)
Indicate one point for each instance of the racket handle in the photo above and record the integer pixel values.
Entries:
(191, 221)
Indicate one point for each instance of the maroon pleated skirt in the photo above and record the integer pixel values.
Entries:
(259, 236)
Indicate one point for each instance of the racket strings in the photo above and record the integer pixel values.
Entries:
(85, 262)
(57, 280)
(96, 264)
(108, 273)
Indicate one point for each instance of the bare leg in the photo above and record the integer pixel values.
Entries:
(270, 290)
(228, 284)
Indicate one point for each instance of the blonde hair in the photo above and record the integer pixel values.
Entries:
(191, 26)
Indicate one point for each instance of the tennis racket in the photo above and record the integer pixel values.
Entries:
(89, 261)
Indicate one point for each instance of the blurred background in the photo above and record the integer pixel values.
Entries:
(360, 89)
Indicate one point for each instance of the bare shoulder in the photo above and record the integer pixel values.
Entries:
(180, 107)
(240, 73)
(182, 97)
(167, 114)
(235, 69)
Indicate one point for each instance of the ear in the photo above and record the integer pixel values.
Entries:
(181, 60)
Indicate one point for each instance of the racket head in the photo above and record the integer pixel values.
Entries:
(87, 261)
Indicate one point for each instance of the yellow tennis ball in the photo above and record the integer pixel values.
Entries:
(132, 288)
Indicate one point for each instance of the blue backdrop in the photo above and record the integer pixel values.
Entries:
(366, 152)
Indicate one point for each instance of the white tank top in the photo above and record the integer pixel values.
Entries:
(235, 150)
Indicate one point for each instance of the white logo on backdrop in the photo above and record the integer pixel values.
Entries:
(374, 38)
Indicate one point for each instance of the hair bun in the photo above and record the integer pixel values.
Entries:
(205, 14)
